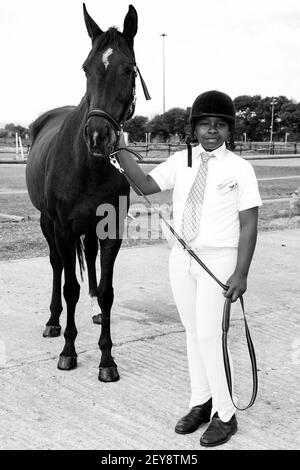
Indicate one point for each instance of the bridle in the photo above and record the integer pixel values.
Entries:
(126, 114)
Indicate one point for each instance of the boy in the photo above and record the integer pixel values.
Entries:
(215, 208)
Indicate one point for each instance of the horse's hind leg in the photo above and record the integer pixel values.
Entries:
(108, 371)
(91, 251)
(52, 326)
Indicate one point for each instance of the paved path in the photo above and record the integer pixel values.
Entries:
(44, 408)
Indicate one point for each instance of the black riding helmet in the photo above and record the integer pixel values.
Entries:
(213, 103)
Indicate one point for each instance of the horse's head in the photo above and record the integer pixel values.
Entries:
(110, 71)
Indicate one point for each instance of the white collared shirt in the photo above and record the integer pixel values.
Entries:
(231, 187)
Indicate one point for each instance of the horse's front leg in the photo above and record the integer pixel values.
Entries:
(91, 251)
(108, 371)
(66, 246)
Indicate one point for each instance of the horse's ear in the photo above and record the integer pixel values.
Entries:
(130, 24)
(91, 26)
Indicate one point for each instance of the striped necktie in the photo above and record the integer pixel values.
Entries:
(193, 207)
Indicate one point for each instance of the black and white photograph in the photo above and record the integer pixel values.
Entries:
(149, 228)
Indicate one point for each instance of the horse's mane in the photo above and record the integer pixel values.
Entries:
(40, 122)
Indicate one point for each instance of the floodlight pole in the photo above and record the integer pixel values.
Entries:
(163, 35)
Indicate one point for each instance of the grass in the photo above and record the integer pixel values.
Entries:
(25, 240)
(12, 177)
(273, 171)
(17, 204)
(21, 240)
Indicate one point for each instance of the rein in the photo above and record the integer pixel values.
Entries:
(227, 304)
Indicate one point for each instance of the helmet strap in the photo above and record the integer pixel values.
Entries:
(230, 145)
(189, 151)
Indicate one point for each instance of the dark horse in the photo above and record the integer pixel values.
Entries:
(69, 176)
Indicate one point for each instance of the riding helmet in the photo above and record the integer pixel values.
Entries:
(213, 103)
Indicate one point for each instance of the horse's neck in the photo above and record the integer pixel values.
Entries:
(73, 132)
(76, 121)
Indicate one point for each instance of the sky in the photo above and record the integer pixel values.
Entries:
(241, 47)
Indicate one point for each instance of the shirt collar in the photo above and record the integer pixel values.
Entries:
(219, 153)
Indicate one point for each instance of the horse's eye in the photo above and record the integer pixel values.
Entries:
(128, 71)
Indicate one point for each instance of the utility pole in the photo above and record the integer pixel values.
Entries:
(272, 103)
(163, 35)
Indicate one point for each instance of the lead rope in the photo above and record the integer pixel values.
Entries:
(227, 304)
(225, 329)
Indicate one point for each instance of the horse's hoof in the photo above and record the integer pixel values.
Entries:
(51, 331)
(67, 362)
(108, 374)
(97, 319)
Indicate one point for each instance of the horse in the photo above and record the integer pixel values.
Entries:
(69, 176)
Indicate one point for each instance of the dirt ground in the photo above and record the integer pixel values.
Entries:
(42, 407)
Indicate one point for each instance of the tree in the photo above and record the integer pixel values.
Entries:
(247, 118)
(158, 126)
(174, 121)
(254, 116)
(290, 119)
(136, 128)
(16, 128)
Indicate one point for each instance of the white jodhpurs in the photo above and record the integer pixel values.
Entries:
(200, 300)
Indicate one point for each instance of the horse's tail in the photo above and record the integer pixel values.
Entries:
(80, 256)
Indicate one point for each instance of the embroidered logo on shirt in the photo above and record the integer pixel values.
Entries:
(227, 185)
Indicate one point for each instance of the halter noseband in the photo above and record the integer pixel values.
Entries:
(105, 115)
